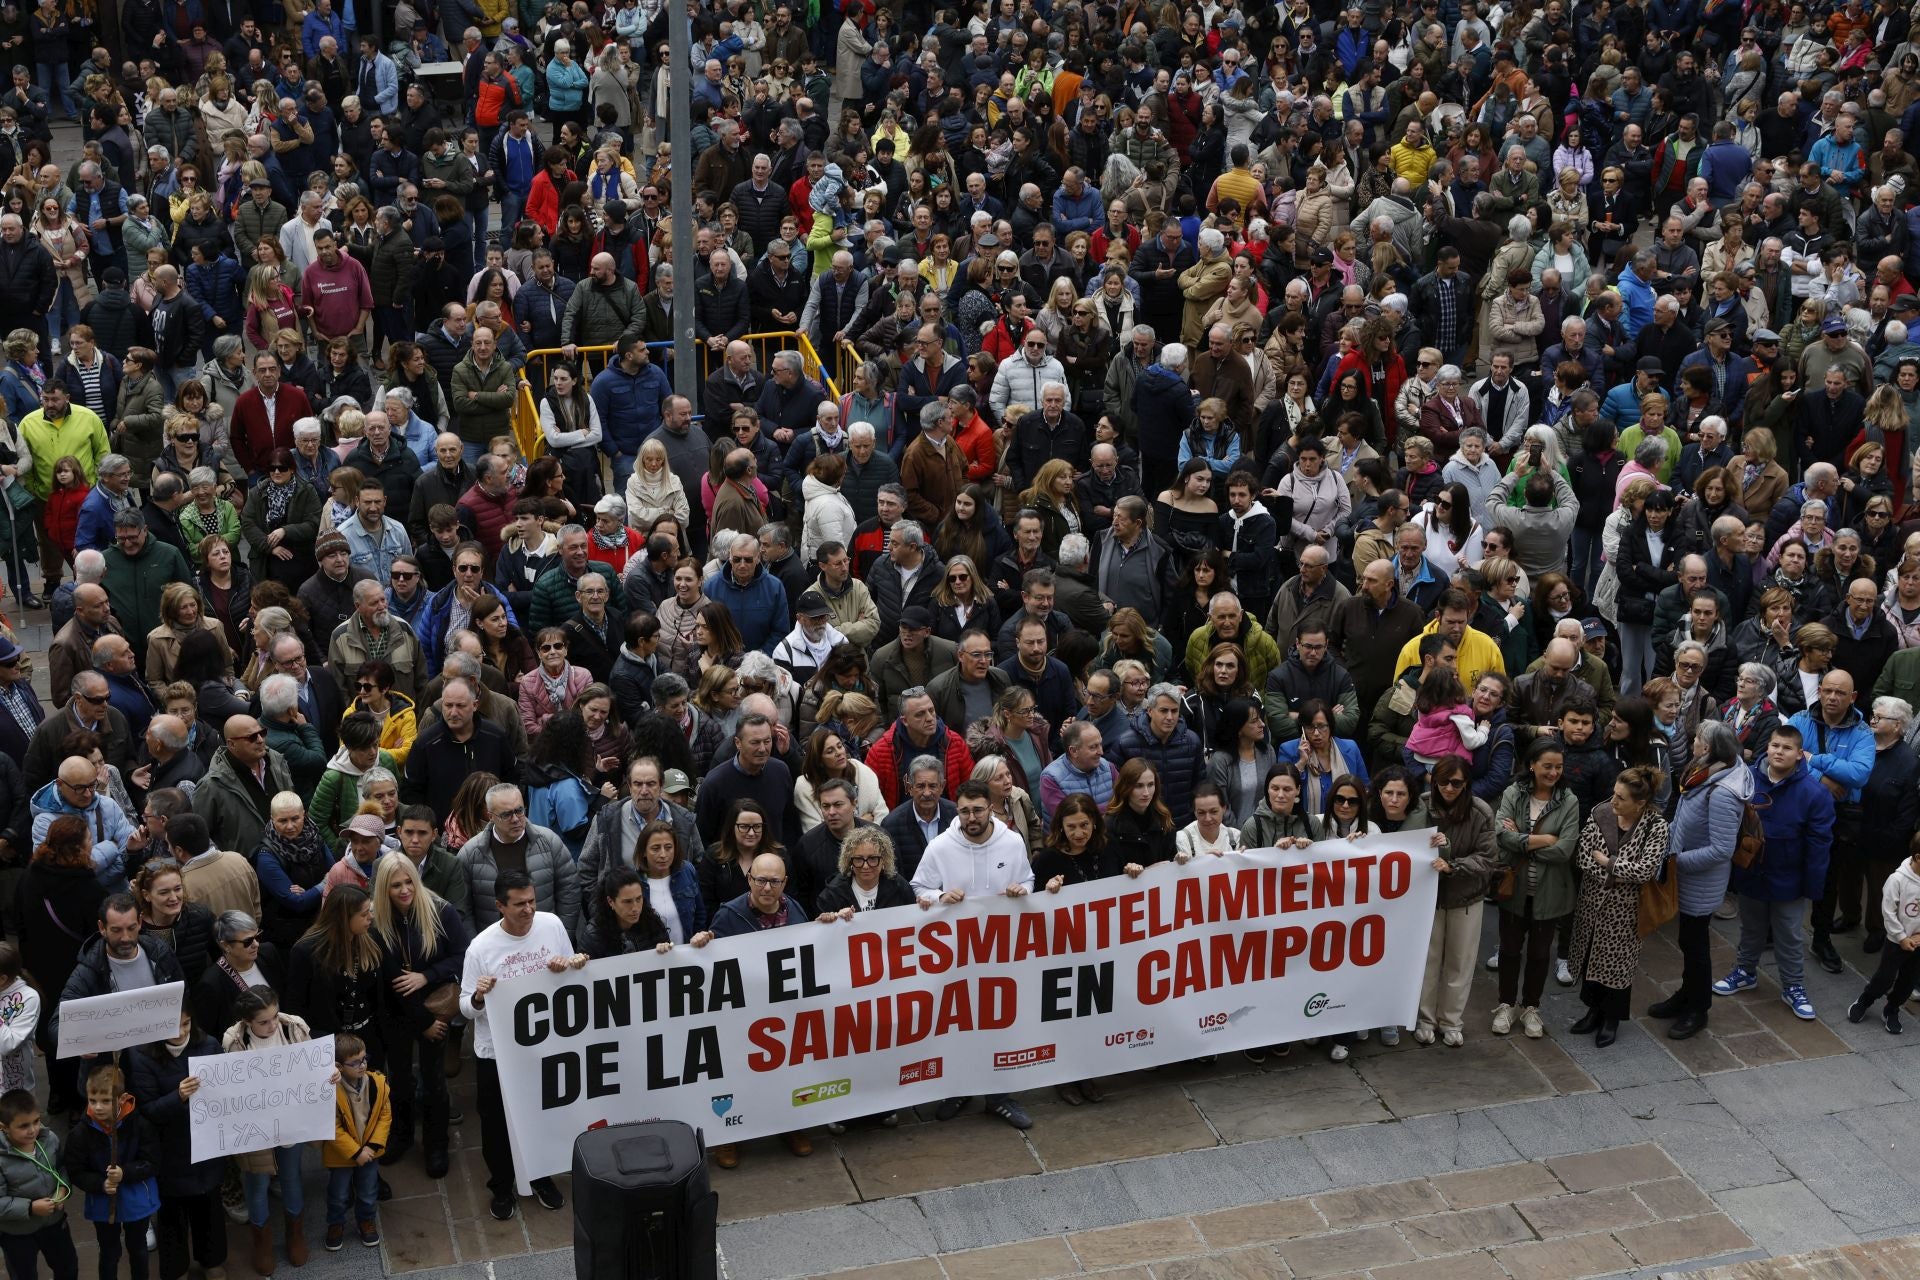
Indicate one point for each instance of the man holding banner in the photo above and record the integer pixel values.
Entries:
(976, 856)
(522, 940)
(121, 958)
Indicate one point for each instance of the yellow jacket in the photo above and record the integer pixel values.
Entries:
(347, 1140)
(1478, 655)
(1411, 163)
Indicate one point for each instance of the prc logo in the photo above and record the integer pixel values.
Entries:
(1317, 1004)
(1014, 1059)
(723, 1104)
(1130, 1039)
(925, 1069)
(822, 1092)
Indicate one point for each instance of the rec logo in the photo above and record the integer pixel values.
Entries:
(1136, 1039)
(1014, 1059)
(722, 1105)
(925, 1069)
(822, 1092)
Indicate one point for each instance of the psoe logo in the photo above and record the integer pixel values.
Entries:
(722, 1104)
(1221, 1020)
(1130, 1039)
(1014, 1059)
(925, 1069)
(1317, 1004)
(822, 1092)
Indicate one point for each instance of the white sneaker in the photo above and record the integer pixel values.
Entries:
(1493, 961)
(1389, 1036)
(1338, 1053)
(1503, 1019)
(1452, 1039)
(1530, 1023)
(1423, 1035)
(1562, 973)
(1361, 1036)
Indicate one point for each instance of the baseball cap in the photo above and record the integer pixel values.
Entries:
(1649, 364)
(1905, 302)
(676, 782)
(366, 824)
(1719, 326)
(615, 210)
(1833, 324)
(917, 617)
(1592, 629)
(260, 182)
(812, 605)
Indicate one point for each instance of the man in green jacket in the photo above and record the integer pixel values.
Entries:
(483, 392)
(139, 567)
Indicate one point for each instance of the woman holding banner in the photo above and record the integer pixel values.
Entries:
(422, 944)
(1537, 829)
(1139, 824)
(261, 1025)
(1464, 854)
(1279, 821)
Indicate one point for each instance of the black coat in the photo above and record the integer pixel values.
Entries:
(1642, 574)
(904, 830)
(192, 940)
(154, 1076)
(92, 976)
(214, 994)
(58, 912)
(838, 894)
(27, 278)
(315, 991)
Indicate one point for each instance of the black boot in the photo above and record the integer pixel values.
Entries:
(1823, 951)
(1609, 1031)
(1588, 1022)
(1873, 942)
(1672, 1007)
(1689, 1024)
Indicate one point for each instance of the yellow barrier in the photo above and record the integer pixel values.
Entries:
(592, 360)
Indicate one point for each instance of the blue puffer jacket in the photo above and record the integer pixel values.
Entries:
(1181, 761)
(629, 406)
(759, 609)
(106, 821)
(1798, 814)
(431, 628)
(1846, 755)
(1705, 829)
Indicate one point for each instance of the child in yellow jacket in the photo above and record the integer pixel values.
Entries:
(362, 1116)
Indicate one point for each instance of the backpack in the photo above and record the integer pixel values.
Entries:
(1750, 849)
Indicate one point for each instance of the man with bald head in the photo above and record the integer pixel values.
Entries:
(604, 308)
(236, 795)
(75, 790)
(88, 709)
(72, 649)
(1369, 628)
(734, 381)
(1306, 599)
(127, 693)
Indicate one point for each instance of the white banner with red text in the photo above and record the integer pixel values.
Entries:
(791, 1028)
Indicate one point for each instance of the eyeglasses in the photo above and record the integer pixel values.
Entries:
(1443, 505)
(749, 826)
(401, 575)
(360, 1061)
(864, 860)
(92, 699)
(520, 812)
(767, 882)
(190, 437)
(278, 467)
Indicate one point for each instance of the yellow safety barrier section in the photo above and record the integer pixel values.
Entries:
(592, 360)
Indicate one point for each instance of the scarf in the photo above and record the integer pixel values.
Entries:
(610, 541)
(278, 498)
(556, 686)
(304, 858)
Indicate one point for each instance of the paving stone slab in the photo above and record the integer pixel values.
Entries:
(852, 1235)
(1022, 1208)
(1245, 1173)
(1412, 1148)
(1854, 1178)
(1560, 1126)
(1785, 1217)
(1635, 1058)
(1796, 1089)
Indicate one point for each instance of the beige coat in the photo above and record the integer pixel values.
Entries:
(1202, 283)
(163, 649)
(1313, 215)
(1516, 327)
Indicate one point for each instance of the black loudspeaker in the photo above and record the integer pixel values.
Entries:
(642, 1206)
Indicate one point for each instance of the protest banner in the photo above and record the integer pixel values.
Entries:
(120, 1019)
(791, 1028)
(262, 1098)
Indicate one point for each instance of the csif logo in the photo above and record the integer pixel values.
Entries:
(822, 1092)
(1130, 1039)
(1317, 1004)
(1014, 1059)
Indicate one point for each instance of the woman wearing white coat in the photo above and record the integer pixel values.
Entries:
(829, 515)
(570, 420)
(654, 491)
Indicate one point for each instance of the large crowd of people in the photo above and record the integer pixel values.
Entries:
(1126, 434)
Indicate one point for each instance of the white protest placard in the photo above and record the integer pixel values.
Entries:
(786, 1029)
(262, 1098)
(120, 1019)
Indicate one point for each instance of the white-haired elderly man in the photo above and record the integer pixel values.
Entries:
(290, 733)
(1202, 284)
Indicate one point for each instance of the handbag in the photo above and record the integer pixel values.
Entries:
(443, 1002)
(1659, 898)
(1506, 883)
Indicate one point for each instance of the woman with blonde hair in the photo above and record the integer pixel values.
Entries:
(269, 306)
(854, 716)
(1052, 495)
(66, 241)
(1057, 314)
(1130, 637)
(180, 616)
(422, 943)
(1313, 210)
(1759, 481)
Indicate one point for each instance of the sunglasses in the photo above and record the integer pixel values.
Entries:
(365, 686)
(553, 648)
(1344, 799)
(279, 468)
(192, 437)
(258, 735)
